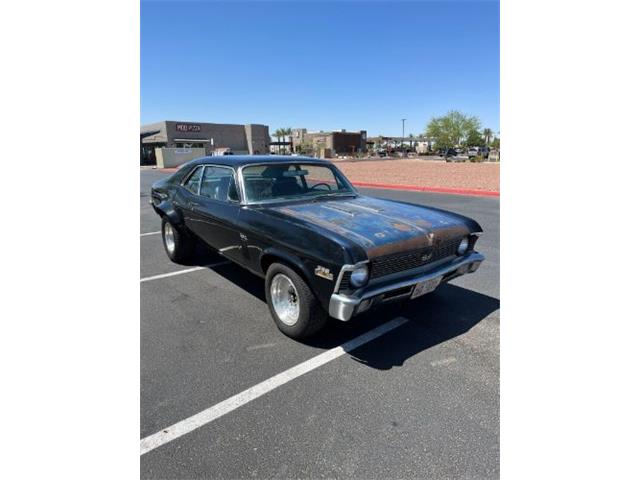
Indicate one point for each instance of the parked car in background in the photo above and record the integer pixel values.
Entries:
(453, 155)
(447, 152)
(478, 152)
(322, 248)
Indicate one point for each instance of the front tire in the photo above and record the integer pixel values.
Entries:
(293, 306)
(177, 244)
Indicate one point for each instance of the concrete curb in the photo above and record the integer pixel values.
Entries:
(410, 188)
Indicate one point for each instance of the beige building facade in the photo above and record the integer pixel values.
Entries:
(249, 139)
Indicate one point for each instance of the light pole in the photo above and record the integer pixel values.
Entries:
(402, 140)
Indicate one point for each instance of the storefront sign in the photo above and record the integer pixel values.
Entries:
(187, 127)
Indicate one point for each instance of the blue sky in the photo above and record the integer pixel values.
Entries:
(320, 65)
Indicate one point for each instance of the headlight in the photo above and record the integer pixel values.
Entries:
(359, 276)
(464, 245)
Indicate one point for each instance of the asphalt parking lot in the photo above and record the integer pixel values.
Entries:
(421, 401)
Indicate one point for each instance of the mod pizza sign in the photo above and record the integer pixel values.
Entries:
(187, 127)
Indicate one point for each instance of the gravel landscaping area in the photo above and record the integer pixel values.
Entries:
(418, 172)
(480, 176)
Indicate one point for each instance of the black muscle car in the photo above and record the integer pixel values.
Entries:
(322, 248)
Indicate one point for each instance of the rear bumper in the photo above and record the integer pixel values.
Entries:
(343, 307)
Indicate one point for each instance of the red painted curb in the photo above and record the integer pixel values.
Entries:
(415, 188)
(412, 188)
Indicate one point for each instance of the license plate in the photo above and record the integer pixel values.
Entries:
(425, 287)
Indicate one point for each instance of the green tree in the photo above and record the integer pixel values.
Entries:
(474, 139)
(304, 147)
(452, 129)
(496, 143)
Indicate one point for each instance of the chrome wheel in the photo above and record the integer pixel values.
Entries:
(169, 239)
(285, 300)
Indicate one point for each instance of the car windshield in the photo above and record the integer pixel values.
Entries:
(292, 181)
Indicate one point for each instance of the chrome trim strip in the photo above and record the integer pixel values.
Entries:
(348, 268)
(342, 307)
(243, 196)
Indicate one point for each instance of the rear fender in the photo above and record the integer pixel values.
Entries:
(166, 209)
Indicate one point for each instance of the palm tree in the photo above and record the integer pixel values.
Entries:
(487, 133)
(287, 132)
(279, 133)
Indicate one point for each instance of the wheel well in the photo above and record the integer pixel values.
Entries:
(269, 258)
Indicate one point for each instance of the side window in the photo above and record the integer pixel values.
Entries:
(233, 191)
(218, 183)
(193, 182)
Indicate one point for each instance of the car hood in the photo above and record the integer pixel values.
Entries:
(380, 227)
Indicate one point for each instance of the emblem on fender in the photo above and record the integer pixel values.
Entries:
(324, 272)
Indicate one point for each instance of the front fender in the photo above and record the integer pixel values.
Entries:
(321, 287)
(287, 257)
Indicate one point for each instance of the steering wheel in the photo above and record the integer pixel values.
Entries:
(319, 184)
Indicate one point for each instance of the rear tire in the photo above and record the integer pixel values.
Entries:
(177, 244)
(293, 306)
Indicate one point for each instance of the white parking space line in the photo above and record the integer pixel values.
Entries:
(180, 272)
(149, 233)
(189, 424)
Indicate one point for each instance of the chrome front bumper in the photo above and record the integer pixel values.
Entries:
(343, 307)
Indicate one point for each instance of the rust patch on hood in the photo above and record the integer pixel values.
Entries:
(381, 227)
(403, 227)
(423, 223)
(434, 238)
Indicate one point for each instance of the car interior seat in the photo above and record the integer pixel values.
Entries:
(286, 186)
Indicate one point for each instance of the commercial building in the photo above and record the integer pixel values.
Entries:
(251, 139)
(331, 143)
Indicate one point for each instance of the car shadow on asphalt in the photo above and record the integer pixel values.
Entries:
(445, 314)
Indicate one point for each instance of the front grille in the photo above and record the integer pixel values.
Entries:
(398, 262)
(345, 281)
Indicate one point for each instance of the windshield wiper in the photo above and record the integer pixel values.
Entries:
(334, 194)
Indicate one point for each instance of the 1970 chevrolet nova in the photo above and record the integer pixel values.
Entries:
(322, 248)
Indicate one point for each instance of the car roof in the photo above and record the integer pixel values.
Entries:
(242, 160)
